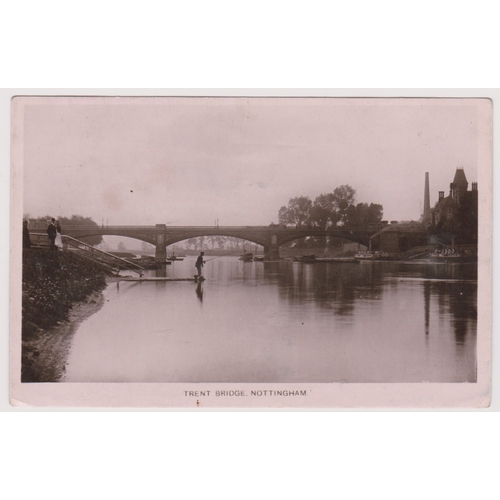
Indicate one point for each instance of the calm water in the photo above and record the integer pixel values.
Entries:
(284, 322)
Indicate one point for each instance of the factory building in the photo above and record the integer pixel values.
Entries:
(452, 220)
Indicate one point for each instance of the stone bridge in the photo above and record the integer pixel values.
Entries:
(270, 237)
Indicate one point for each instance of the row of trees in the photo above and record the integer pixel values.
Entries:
(336, 209)
(217, 243)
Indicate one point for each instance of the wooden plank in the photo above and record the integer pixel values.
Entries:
(130, 278)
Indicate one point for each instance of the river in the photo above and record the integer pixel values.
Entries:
(284, 322)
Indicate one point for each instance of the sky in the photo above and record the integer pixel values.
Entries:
(190, 161)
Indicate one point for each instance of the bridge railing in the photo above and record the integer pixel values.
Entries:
(100, 255)
(41, 227)
(84, 249)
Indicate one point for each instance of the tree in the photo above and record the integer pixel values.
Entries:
(122, 247)
(146, 247)
(335, 209)
(191, 242)
(343, 197)
(363, 216)
(233, 242)
(221, 240)
(297, 212)
(331, 208)
(324, 210)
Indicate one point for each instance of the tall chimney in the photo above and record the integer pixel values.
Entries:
(427, 202)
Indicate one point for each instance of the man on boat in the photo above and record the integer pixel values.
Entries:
(199, 263)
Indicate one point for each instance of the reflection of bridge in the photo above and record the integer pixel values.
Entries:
(270, 237)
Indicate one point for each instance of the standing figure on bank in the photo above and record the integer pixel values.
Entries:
(199, 263)
(52, 233)
(26, 235)
(59, 243)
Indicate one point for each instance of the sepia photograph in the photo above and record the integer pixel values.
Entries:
(251, 251)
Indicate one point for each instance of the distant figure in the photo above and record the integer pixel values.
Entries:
(199, 263)
(26, 235)
(58, 242)
(52, 233)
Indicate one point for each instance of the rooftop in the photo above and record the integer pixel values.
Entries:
(460, 178)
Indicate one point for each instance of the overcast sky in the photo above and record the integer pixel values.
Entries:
(188, 161)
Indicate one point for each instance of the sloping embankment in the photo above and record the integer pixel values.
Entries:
(59, 290)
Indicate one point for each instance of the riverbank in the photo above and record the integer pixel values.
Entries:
(59, 291)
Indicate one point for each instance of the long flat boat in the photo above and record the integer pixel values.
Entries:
(330, 260)
(452, 258)
(150, 263)
(345, 260)
(175, 258)
(306, 259)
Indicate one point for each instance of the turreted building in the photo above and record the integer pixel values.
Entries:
(452, 221)
(455, 216)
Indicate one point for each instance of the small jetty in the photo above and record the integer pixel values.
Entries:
(312, 259)
(116, 279)
(337, 260)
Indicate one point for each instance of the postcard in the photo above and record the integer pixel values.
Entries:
(251, 252)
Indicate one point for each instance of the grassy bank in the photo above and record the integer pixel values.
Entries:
(53, 283)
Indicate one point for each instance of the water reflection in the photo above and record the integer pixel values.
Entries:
(199, 292)
(427, 301)
(161, 271)
(336, 287)
(285, 322)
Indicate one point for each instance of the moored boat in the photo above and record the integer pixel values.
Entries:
(246, 257)
(451, 256)
(364, 256)
(369, 255)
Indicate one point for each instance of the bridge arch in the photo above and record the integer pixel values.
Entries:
(252, 239)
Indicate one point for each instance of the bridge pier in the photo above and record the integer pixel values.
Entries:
(161, 243)
(272, 251)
